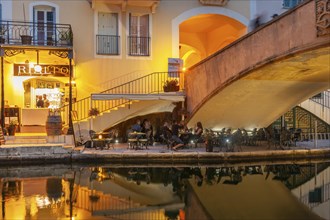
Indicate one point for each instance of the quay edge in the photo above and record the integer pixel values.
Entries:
(58, 154)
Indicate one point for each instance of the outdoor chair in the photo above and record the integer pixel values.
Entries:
(132, 141)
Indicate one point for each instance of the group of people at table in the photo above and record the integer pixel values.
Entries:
(175, 133)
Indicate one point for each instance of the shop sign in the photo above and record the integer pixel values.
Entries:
(46, 70)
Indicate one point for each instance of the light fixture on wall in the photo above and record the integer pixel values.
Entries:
(37, 68)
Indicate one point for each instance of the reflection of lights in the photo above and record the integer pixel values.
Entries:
(192, 141)
(227, 140)
(42, 201)
(100, 136)
(116, 141)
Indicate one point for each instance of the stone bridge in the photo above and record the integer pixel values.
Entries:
(258, 78)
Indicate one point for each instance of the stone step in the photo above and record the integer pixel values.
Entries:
(27, 141)
(25, 137)
(39, 139)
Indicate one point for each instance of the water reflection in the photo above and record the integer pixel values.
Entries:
(286, 191)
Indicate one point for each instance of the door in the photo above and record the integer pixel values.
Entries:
(107, 38)
(139, 34)
(44, 20)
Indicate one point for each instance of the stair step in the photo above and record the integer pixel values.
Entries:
(25, 137)
(26, 141)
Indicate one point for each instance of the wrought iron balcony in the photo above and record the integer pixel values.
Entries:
(35, 34)
(107, 44)
(138, 46)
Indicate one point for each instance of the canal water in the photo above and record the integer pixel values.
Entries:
(239, 191)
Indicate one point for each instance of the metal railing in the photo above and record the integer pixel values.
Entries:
(107, 44)
(148, 84)
(322, 98)
(138, 46)
(35, 33)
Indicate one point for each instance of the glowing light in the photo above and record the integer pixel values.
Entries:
(37, 68)
(100, 136)
(184, 69)
(116, 141)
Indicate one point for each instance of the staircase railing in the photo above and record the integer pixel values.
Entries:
(323, 99)
(151, 83)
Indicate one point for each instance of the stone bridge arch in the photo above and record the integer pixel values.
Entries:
(253, 81)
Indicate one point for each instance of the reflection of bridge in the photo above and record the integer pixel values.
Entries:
(260, 77)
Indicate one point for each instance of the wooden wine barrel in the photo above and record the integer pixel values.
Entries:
(54, 125)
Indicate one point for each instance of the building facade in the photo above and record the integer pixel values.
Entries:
(106, 43)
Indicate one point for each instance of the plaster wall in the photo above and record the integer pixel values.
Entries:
(94, 73)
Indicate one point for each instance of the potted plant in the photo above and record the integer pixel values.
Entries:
(171, 85)
(26, 39)
(12, 127)
(93, 112)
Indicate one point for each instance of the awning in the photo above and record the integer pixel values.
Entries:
(169, 96)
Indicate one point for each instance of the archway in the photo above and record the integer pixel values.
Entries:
(203, 35)
(204, 24)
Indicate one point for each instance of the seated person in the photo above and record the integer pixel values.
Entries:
(147, 128)
(185, 133)
(175, 135)
(137, 126)
(166, 133)
(198, 131)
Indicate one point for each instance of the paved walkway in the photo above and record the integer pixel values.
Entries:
(160, 148)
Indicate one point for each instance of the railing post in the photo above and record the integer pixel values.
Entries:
(70, 130)
(315, 135)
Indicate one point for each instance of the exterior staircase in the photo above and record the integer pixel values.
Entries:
(117, 109)
(319, 105)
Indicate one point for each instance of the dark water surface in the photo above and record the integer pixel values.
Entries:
(251, 191)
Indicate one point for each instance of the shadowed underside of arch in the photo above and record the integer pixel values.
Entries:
(255, 80)
(263, 95)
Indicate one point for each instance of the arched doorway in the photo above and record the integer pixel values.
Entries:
(200, 32)
(203, 35)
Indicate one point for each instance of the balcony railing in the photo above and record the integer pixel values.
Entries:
(138, 46)
(35, 33)
(107, 44)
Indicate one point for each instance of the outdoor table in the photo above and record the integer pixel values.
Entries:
(102, 139)
(135, 139)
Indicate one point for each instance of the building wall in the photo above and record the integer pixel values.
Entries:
(95, 73)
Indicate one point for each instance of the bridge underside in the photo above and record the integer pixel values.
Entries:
(261, 96)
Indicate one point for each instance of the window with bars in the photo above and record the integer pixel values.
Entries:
(107, 39)
(291, 3)
(139, 36)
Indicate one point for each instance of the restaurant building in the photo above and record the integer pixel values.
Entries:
(67, 50)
